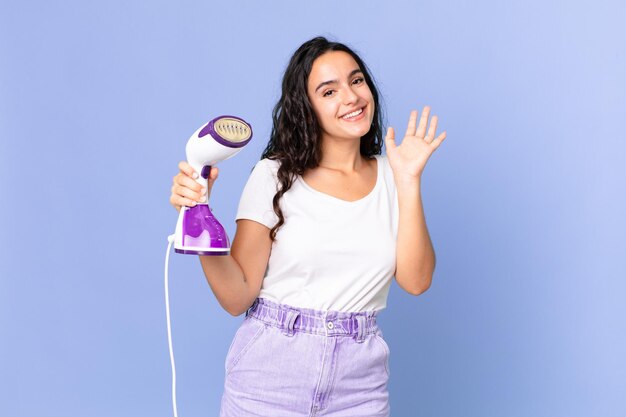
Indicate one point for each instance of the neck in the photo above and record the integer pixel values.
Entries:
(341, 155)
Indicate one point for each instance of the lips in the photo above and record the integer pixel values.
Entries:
(352, 113)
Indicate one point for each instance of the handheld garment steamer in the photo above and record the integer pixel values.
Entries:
(197, 231)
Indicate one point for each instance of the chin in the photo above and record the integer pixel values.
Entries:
(366, 129)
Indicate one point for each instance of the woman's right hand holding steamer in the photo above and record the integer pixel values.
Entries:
(186, 191)
(235, 279)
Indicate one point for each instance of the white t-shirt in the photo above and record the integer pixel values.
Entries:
(330, 254)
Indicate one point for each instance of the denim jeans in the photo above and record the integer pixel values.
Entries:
(286, 361)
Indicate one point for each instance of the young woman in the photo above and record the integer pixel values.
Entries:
(323, 225)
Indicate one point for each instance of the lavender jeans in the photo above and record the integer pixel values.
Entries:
(286, 361)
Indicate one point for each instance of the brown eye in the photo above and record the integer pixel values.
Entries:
(326, 93)
(358, 81)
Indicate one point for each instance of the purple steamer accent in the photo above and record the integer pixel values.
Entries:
(201, 229)
(197, 231)
(210, 129)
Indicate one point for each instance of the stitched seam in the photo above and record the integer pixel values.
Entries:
(387, 353)
(244, 350)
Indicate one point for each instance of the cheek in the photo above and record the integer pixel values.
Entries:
(320, 118)
(372, 105)
(324, 112)
(370, 97)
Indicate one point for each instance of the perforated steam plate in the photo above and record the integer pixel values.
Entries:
(232, 129)
(228, 130)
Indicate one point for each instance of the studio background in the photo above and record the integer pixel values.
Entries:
(524, 200)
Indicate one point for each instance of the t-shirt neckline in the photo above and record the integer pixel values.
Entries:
(342, 201)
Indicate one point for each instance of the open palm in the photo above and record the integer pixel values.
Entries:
(408, 159)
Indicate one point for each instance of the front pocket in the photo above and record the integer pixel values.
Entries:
(246, 335)
(379, 336)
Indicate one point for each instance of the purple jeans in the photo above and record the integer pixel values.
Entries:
(286, 361)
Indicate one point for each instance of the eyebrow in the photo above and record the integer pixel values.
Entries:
(355, 71)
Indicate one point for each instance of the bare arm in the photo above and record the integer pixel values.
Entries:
(415, 262)
(415, 257)
(235, 279)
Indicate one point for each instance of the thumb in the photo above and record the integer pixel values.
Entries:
(214, 173)
(390, 141)
(212, 177)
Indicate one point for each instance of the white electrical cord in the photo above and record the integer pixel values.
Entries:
(170, 239)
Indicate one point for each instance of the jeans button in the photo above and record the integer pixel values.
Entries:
(330, 325)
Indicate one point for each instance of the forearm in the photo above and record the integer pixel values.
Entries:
(228, 283)
(415, 258)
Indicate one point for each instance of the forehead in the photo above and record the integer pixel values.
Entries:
(333, 65)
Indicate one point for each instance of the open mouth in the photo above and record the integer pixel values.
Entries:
(353, 115)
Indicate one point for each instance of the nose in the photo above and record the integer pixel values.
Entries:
(349, 96)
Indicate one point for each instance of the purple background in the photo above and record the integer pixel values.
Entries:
(524, 200)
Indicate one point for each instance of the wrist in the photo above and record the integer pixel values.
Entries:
(408, 182)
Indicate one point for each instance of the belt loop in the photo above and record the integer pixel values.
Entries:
(360, 328)
(254, 304)
(292, 315)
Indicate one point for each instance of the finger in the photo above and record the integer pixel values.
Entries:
(421, 128)
(178, 201)
(390, 141)
(435, 143)
(410, 129)
(185, 181)
(432, 129)
(187, 169)
(186, 192)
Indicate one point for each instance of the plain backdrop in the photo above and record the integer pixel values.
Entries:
(524, 201)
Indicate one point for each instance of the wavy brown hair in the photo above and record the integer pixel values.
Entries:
(295, 139)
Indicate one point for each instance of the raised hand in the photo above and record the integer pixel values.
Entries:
(408, 159)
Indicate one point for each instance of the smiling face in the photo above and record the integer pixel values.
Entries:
(340, 97)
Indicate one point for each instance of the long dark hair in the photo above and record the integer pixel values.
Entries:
(295, 138)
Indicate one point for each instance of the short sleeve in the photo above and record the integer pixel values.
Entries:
(256, 199)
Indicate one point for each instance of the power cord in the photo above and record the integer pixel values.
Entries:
(170, 240)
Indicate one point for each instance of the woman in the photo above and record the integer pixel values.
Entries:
(323, 224)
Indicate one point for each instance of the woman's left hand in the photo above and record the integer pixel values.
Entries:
(408, 159)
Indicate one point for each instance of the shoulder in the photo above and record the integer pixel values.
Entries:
(265, 170)
(270, 164)
(267, 167)
(382, 159)
(387, 172)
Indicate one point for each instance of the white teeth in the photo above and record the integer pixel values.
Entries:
(353, 114)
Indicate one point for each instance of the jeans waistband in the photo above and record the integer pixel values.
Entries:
(322, 322)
